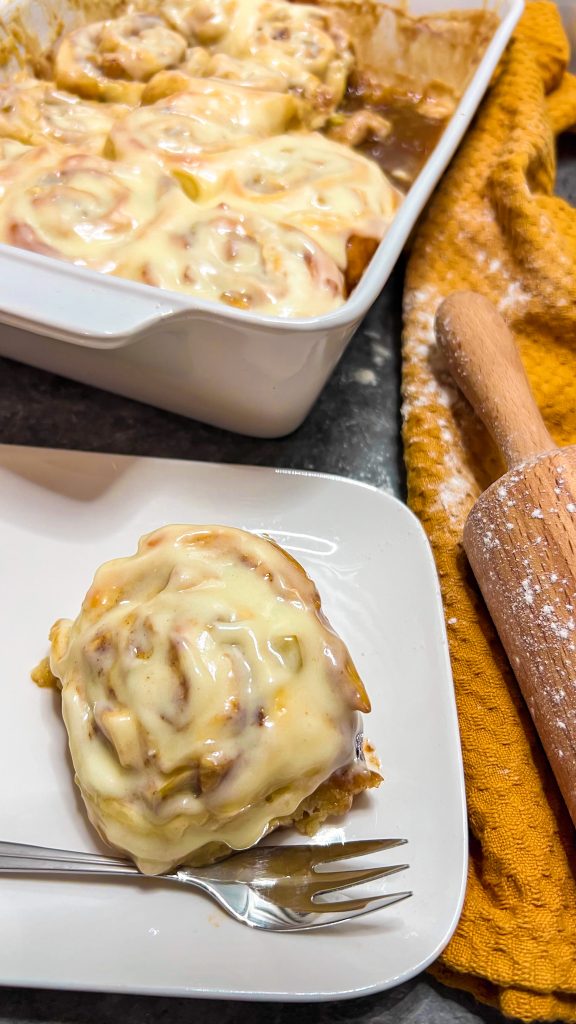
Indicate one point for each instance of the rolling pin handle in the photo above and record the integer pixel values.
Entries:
(483, 359)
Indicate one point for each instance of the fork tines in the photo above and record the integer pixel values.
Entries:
(350, 848)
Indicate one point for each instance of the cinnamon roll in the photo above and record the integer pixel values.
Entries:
(209, 117)
(20, 163)
(201, 22)
(302, 41)
(200, 63)
(206, 698)
(36, 112)
(111, 60)
(306, 180)
(244, 261)
(308, 35)
(83, 208)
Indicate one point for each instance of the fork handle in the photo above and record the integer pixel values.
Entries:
(19, 858)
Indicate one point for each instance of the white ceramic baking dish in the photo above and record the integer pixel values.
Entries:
(253, 374)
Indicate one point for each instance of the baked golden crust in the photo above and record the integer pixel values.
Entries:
(210, 116)
(333, 798)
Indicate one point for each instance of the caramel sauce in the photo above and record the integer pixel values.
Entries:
(412, 138)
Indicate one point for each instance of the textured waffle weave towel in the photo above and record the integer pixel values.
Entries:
(494, 226)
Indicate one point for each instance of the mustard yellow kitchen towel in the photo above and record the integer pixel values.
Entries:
(495, 226)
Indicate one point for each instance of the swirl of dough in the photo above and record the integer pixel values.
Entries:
(200, 63)
(211, 116)
(308, 181)
(244, 261)
(300, 40)
(205, 695)
(305, 34)
(19, 162)
(38, 112)
(84, 209)
(199, 21)
(110, 60)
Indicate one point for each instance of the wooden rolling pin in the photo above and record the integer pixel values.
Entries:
(520, 536)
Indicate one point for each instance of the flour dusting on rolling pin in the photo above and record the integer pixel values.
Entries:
(520, 536)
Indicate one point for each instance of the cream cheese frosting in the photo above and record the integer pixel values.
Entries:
(305, 180)
(83, 208)
(204, 693)
(245, 261)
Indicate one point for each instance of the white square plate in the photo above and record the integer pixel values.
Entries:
(62, 514)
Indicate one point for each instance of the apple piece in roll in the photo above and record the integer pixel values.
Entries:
(11, 150)
(81, 208)
(305, 180)
(111, 60)
(37, 112)
(209, 117)
(207, 699)
(244, 261)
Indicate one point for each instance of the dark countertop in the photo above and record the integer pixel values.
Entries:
(352, 431)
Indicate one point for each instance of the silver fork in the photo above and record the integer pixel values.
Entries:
(276, 888)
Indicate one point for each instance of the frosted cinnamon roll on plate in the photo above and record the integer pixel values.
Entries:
(81, 208)
(111, 60)
(206, 698)
(306, 180)
(37, 112)
(241, 260)
(209, 117)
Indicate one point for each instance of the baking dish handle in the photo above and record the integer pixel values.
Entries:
(41, 295)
